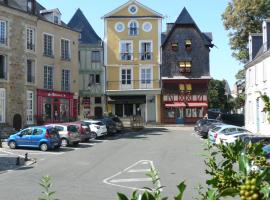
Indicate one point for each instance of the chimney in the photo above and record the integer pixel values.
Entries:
(169, 27)
(266, 34)
(255, 44)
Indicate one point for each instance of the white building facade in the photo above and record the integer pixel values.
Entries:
(258, 81)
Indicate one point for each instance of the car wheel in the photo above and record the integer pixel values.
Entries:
(94, 136)
(43, 147)
(64, 142)
(12, 144)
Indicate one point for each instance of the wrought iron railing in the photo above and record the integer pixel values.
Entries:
(133, 84)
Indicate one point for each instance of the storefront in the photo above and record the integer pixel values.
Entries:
(55, 106)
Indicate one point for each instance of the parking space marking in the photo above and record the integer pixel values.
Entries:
(141, 166)
(11, 153)
(131, 180)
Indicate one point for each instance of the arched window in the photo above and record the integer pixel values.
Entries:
(133, 28)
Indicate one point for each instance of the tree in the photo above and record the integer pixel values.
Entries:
(241, 18)
(216, 94)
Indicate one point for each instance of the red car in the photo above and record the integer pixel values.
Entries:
(84, 130)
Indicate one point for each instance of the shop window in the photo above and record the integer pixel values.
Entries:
(170, 113)
(188, 44)
(185, 66)
(188, 112)
(174, 46)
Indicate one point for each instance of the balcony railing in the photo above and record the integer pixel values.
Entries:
(184, 97)
(133, 84)
(126, 56)
(146, 56)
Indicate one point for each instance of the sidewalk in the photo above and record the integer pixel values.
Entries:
(11, 161)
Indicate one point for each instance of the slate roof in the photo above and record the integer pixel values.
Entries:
(81, 24)
(185, 19)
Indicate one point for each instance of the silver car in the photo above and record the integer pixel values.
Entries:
(69, 134)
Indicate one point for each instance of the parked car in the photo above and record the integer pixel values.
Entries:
(41, 137)
(118, 122)
(200, 123)
(110, 125)
(256, 138)
(226, 133)
(84, 130)
(97, 127)
(69, 134)
(206, 127)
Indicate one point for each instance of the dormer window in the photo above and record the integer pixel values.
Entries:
(29, 5)
(52, 15)
(188, 44)
(56, 19)
(174, 46)
(133, 28)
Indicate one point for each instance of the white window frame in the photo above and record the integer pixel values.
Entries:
(6, 39)
(51, 44)
(146, 85)
(3, 103)
(30, 40)
(137, 27)
(30, 111)
(65, 57)
(63, 80)
(126, 86)
(48, 66)
(120, 49)
(33, 71)
(264, 71)
(151, 49)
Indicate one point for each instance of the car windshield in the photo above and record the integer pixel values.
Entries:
(98, 123)
(216, 128)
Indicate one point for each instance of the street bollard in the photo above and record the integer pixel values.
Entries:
(26, 157)
(18, 161)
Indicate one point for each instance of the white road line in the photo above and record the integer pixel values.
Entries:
(46, 153)
(131, 180)
(11, 153)
(139, 170)
(109, 180)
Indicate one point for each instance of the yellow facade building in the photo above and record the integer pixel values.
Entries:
(132, 57)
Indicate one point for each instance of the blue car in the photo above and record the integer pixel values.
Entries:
(40, 137)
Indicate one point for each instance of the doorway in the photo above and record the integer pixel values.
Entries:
(98, 112)
(17, 122)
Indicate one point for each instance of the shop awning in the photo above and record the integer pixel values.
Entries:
(175, 105)
(197, 104)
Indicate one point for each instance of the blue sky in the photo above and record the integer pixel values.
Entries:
(207, 15)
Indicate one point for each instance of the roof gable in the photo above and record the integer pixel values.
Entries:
(142, 11)
(184, 18)
(81, 24)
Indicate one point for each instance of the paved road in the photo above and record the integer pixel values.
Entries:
(101, 168)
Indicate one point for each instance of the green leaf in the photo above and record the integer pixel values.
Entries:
(181, 188)
(232, 192)
(147, 196)
(244, 164)
(121, 196)
(212, 194)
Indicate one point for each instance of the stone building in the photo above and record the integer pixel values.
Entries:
(185, 71)
(91, 70)
(31, 38)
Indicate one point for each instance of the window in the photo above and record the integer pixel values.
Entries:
(133, 28)
(126, 50)
(65, 49)
(65, 80)
(126, 76)
(30, 71)
(56, 19)
(30, 39)
(185, 87)
(37, 131)
(91, 80)
(174, 46)
(264, 71)
(95, 55)
(48, 77)
(188, 44)
(30, 106)
(2, 105)
(97, 79)
(98, 100)
(26, 132)
(146, 50)
(48, 45)
(3, 67)
(3, 32)
(185, 66)
(146, 77)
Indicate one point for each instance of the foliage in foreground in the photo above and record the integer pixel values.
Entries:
(237, 169)
(45, 183)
